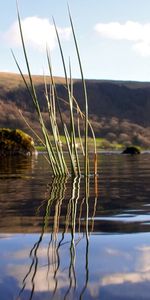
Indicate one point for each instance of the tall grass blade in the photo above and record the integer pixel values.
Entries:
(54, 128)
(52, 157)
(69, 151)
(72, 127)
(72, 133)
(85, 97)
(55, 101)
(53, 145)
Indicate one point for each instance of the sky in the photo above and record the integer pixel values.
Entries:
(113, 37)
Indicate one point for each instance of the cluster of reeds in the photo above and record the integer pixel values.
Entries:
(53, 145)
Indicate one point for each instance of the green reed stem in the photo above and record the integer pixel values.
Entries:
(69, 150)
(73, 141)
(52, 157)
(54, 101)
(54, 149)
(72, 127)
(85, 97)
(55, 132)
(44, 131)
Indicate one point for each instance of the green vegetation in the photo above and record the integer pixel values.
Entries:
(53, 145)
(101, 143)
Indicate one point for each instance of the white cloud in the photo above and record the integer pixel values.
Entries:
(43, 281)
(44, 277)
(137, 33)
(121, 278)
(139, 275)
(142, 48)
(37, 33)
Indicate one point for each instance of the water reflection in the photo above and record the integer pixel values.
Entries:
(64, 239)
(16, 167)
(55, 242)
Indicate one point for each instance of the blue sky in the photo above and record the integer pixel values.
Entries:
(113, 37)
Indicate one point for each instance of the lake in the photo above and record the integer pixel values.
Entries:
(60, 239)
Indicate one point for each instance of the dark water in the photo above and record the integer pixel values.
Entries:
(58, 242)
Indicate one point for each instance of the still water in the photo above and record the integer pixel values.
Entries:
(58, 242)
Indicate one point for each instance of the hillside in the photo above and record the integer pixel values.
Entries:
(120, 111)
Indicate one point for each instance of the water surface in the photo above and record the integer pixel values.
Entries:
(58, 242)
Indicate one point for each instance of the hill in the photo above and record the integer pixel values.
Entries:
(119, 110)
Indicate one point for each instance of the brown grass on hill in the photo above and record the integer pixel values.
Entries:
(119, 111)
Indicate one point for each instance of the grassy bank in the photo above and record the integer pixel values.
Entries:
(102, 144)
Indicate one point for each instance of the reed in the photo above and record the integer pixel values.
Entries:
(54, 148)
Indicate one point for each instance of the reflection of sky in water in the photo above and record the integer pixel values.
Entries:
(113, 265)
(126, 218)
(118, 267)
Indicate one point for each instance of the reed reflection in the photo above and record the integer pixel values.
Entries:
(65, 226)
